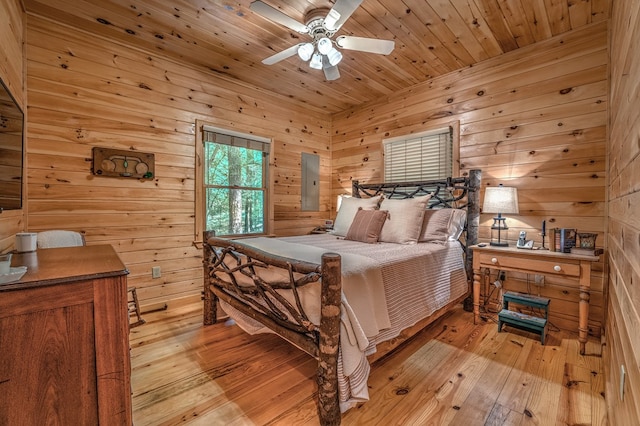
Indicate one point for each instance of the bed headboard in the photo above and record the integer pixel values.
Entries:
(453, 192)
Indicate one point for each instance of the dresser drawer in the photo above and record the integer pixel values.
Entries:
(543, 266)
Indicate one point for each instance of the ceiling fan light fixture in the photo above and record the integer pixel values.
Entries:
(305, 51)
(334, 56)
(324, 45)
(316, 61)
(321, 24)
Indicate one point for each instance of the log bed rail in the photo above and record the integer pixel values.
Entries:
(248, 279)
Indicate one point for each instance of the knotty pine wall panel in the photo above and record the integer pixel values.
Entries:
(623, 308)
(12, 26)
(534, 118)
(12, 32)
(87, 91)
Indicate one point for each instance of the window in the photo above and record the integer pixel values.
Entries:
(427, 156)
(234, 179)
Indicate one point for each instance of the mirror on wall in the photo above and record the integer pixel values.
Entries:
(11, 145)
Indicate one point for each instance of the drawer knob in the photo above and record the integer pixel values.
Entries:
(494, 260)
(557, 268)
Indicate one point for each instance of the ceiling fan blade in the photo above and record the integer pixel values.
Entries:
(340, 12)
(331, 72)
(363, 44)
(280, 56)
(275, 15)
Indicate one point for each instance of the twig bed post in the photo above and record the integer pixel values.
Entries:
(473, 217)
(328, 400)
(210, 308)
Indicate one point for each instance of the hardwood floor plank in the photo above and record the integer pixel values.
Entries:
(453, 372)
(575, 396)
(515, 393)
(544, 400)
(304, 414)
(405, 384)
(503, 416)
(598, 403)
(500, 357)
(592, 360)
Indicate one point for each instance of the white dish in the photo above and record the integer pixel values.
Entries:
(14, 275)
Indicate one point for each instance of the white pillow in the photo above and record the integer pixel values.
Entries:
(404, 221)
(456, 226)
(442, 225)
(348, 209)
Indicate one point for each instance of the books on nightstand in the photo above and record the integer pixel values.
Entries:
(564, 239)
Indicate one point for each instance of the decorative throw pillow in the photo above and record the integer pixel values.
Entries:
(442, 225)
(366, 226)
(404, 222)
(348, 209)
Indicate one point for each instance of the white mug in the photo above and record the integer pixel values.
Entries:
(26, 241)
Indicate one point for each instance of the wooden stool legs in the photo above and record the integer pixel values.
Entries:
(134, 307)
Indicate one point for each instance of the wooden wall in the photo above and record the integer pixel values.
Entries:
(86, 91)
(623, 313)
(534, 118)
(12, 30)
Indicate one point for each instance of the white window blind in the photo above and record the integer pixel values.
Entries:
(418, 158)
(231, 140)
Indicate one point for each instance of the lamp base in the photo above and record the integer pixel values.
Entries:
(499, 232)
(499, 244)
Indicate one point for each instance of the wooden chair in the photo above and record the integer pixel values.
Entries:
(134, 307)
(63, 238)
(51, 239)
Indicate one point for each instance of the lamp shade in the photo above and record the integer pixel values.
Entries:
(305, 51)
(500, 199)
(324, 45)
(316, 61)
(334, 56)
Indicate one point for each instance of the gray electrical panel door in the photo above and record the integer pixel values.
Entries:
(310, 182)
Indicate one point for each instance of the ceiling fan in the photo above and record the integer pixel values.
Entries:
(321, 25)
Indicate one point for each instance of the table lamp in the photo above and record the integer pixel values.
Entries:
(500, 199)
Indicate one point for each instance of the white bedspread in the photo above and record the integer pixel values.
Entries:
(386, 288)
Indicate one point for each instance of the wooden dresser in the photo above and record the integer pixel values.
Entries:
(64, 339)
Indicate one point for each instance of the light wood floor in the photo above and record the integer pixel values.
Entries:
(452, 373)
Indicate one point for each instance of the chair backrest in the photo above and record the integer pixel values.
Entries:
(51, 239)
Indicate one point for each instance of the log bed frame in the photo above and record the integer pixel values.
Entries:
(240, 285)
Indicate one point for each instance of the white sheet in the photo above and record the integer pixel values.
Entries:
(418, 279)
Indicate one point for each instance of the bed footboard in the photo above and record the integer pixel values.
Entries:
(253, 282)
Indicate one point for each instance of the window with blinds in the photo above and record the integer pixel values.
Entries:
(235, 183)
(419, 157)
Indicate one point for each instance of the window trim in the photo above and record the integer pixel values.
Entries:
(430, 130)
(200, 214)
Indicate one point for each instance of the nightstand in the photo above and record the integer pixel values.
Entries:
(541, 262)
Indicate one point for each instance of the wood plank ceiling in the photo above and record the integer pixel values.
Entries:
(433, 37)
